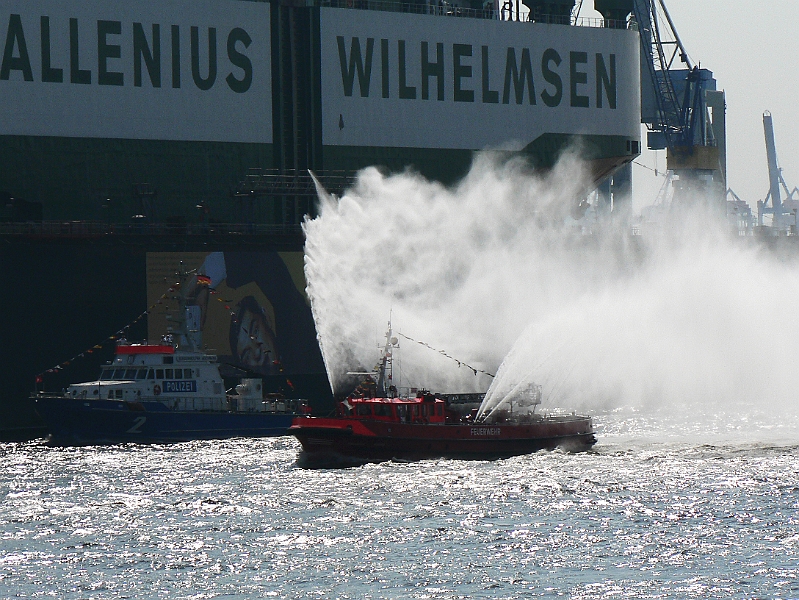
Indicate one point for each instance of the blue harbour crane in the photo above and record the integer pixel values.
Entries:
(683, 111)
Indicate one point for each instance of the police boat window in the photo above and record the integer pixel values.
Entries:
(107, 374)
(141, 374)
(168, 373)
(364, 409)
(151, 374)
(118, 393)
(119, 374)
(159, 373)
(168, 360)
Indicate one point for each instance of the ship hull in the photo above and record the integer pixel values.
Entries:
(80, 421)
(331, 441)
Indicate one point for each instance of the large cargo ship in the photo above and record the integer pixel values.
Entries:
(136, 135)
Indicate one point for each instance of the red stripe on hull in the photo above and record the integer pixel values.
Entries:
(142, 349)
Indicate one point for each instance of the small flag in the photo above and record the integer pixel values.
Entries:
(203, 280)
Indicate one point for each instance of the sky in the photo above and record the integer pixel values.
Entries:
(753, 50)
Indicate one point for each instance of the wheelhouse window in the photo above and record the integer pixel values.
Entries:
(169, 373)
(159, 373)
(382, 410)
(130, 373)
(141, 374)
(364, 409)
(107, 374)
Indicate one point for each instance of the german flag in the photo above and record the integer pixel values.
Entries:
(203, 280)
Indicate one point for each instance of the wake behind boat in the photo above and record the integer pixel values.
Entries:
(167, 391)
(377, 423)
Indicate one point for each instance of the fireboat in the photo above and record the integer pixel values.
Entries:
(376, 423)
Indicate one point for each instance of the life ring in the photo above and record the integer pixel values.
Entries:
(156, 389)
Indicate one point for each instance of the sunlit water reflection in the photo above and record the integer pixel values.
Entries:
(690, 510)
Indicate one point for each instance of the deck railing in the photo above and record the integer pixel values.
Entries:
(509, 11)
(98, 229)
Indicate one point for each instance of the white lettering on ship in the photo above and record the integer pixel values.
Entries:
(479, 431)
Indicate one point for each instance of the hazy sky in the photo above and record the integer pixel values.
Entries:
(753, 50)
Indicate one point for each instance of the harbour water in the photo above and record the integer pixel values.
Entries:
(698, 507)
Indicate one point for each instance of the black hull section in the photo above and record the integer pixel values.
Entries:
(77, 422)
(340, 446)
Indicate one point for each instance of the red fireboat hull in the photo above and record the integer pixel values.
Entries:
(336, 440)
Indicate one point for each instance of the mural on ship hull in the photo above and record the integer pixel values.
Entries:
(253, 311)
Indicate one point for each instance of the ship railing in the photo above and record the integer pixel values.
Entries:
(274, 182)
(432, 8)
(507, 12)
(100, 229)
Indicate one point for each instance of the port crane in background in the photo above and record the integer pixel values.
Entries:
(739, 214)
(683, 111)
(783, 212)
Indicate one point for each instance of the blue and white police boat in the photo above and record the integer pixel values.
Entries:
(167, 391)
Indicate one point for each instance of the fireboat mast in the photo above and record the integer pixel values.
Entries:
(386, 370)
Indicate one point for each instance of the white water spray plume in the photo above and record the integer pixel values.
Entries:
(495, 271)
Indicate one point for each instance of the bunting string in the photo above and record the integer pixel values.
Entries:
(122, 333)
(445, 355)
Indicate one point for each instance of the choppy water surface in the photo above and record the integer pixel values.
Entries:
(686, 512)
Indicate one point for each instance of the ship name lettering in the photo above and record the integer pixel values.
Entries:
(588, 81)
(487, 431)
(121, 50)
